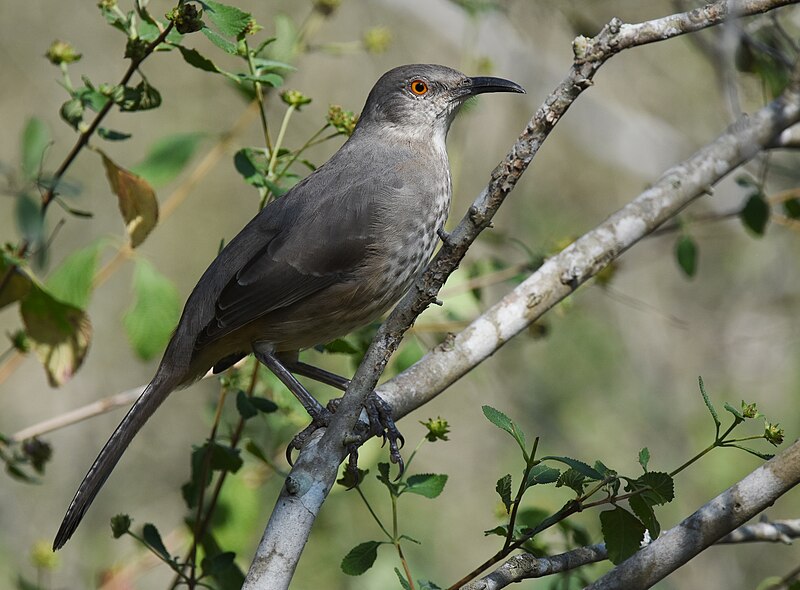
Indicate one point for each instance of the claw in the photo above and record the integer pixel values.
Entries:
(299, 440)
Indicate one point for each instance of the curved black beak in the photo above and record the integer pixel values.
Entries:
(483, 84)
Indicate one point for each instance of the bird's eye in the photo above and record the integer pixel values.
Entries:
(418, 87)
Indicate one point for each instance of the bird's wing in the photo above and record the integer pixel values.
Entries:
(310, 241)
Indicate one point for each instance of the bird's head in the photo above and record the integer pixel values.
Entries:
(421, 99)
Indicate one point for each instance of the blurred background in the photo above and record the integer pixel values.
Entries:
(609, 371)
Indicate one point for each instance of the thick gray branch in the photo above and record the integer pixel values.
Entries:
(526, 566)
(710, 523)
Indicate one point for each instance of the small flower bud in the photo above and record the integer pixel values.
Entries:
(343, 121)
(437, 429)
(61, 52)
(773, 433)
(295, 98)
(377, 39)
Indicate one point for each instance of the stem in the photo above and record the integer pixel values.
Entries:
(273, 157)
(372, 512)
(65, 77)
(259, 97)
(719, 441)
(303, 148)
(83, 139)
(396, 541)
(201, 494)
(414, 452)
(203, 520)
(518, 498)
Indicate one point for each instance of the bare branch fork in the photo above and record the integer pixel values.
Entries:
(315, 471)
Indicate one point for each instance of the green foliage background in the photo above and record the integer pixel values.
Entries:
(616, 370)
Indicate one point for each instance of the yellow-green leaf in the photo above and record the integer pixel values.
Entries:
(137, 200)
(59, 332)
(72, 281)
(155, 311)
(15, 282)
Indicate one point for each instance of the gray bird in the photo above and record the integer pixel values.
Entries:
(331, 255)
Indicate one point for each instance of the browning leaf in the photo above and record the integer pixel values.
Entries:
(137, 201)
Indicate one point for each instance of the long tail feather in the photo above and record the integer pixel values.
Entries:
(152, 397)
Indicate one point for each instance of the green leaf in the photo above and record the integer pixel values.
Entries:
(503, 488)
(168, 157)
(341, 346)
(136, 199)
(23, 584)
(72, 112)
(573, 479)
(142, 97)
(662, 487)
(243, 405)
(269, 79)
(383, 477)
(708, 403)
(218, 564)
(427, 585)
(194, 58)
(530, 518)
(229, 20)
(644, 511)
(429, 485)
(155, 311)
(644, 458)
(755, 214)
(72, 281)
(622, 532)
(791, 207)
(686, 254)
(503, 422)
(275, 189)
(578, 466)
(284, 48)
(252, 448)
(220, 41)
(498, 531)
(403, 582)
(111, 135)
(246, 162)
(29, 218)
(223, 458)
(360, 558)
(60, 334)
(263, 405)
(35, 139)
(736, 413)
(153, 538)
(271, 65)
(541, 474)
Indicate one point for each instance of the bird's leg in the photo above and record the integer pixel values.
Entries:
(379, 412)
(320, 416)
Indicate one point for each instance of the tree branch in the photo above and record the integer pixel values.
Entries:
(315, 471)
(527, 566)
(710, 523)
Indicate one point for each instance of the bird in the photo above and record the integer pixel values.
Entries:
(334, 253)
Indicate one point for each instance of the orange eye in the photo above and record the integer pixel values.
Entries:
(418, 87)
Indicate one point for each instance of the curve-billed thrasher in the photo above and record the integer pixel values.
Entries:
(331, 255)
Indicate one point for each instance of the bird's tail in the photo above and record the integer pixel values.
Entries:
(152, 397)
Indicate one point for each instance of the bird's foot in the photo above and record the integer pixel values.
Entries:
(321, 420)
(381, 424)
